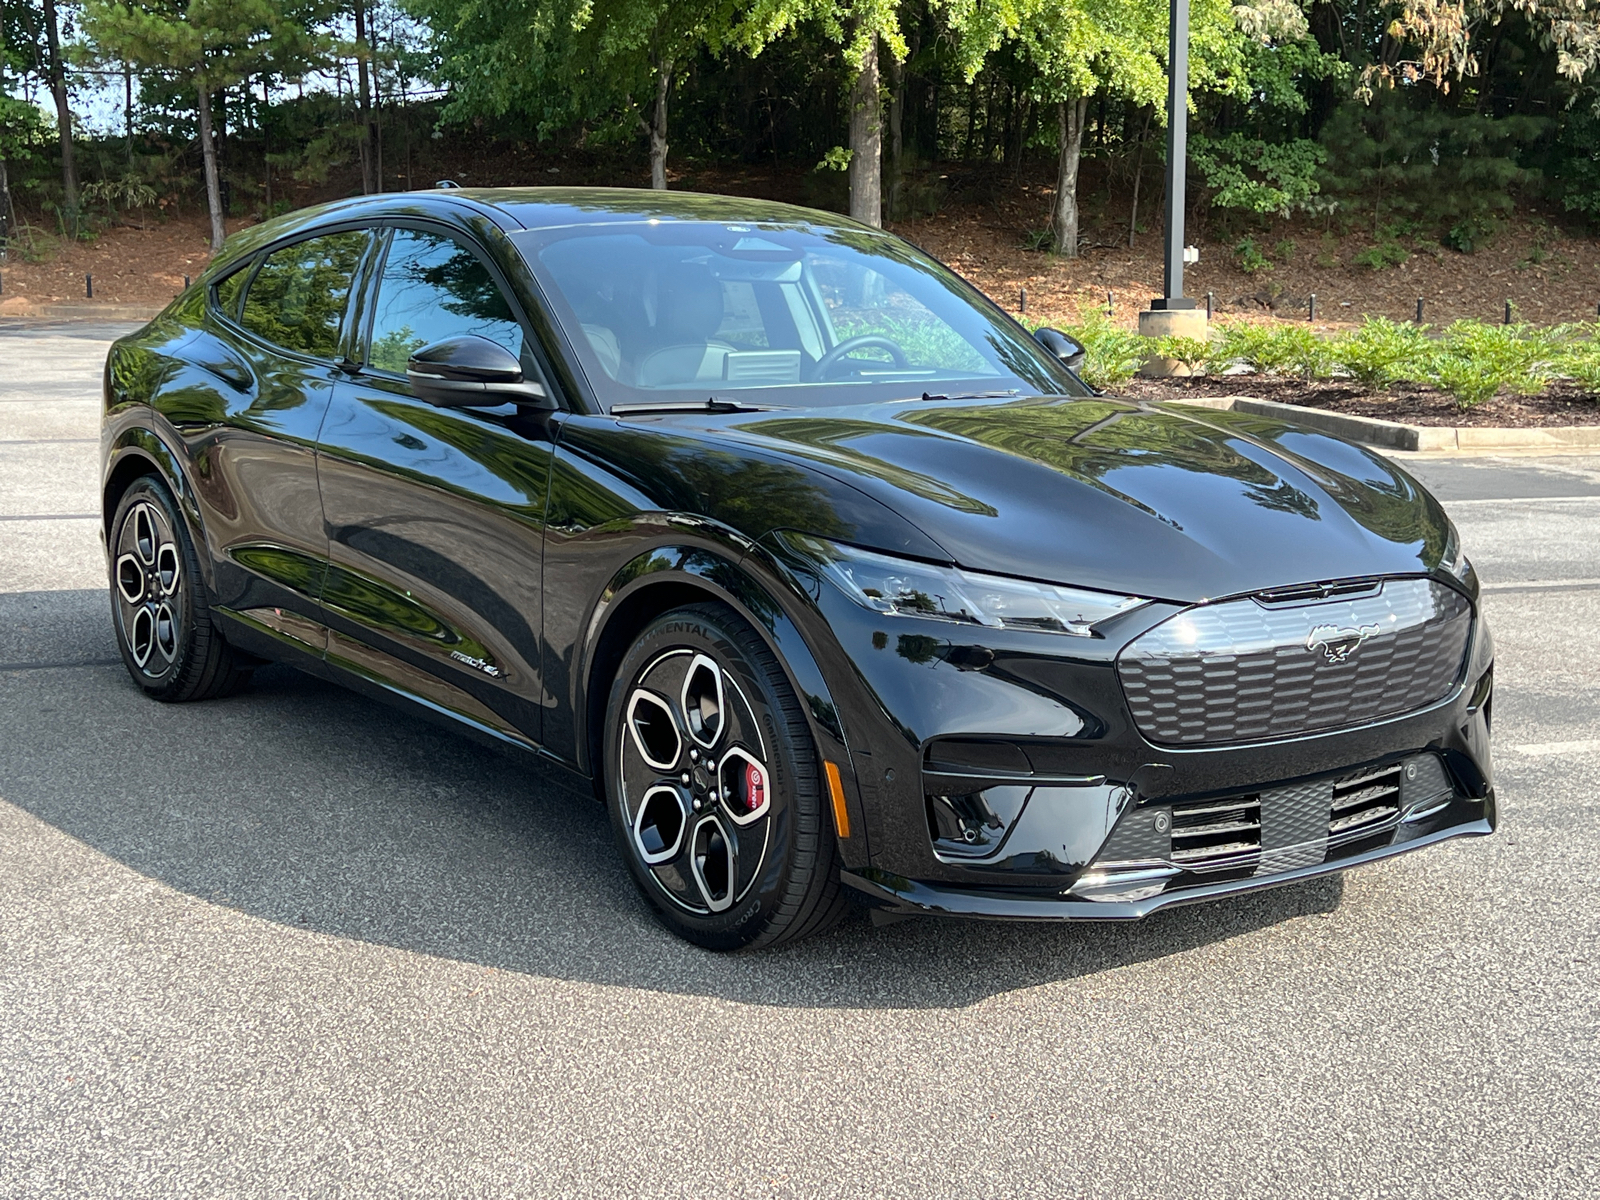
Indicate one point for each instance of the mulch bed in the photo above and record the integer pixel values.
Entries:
(1560, 404)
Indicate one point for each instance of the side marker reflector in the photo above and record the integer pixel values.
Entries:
(841, 814)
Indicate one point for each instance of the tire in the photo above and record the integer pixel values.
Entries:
(713, 784)
(169, 642)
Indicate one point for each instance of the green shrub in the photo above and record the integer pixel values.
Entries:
(1305, 352)
(1580, 357)
(1249, 257)
(1474, 361)
(1194, 353)
(1273, 349)
(1112, 355)
(1252, 346)
(1386, 254)
(1383, 352)
(1582, 366)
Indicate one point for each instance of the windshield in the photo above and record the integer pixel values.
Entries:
(788, 314)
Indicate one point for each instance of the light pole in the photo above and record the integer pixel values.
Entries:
(1177, 155)
(1173, 312)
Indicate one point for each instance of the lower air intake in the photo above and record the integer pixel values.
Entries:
(1367, 802)
(1264, 832)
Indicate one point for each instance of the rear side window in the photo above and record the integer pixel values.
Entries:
(433, 288)
(228, 290)
(297, 298)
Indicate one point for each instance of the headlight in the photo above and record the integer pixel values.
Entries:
(914, 589)
(1454, 559)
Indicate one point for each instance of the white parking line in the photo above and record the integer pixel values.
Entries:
(1518, 585)
(1523, 500)
(1542, 749)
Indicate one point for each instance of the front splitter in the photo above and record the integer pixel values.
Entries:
(910, 897)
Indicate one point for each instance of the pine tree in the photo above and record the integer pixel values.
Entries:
(211, 45)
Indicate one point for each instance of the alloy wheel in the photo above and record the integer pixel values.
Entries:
(696, 786)
(149, 584)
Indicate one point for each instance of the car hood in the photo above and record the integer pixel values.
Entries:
(1170, 502)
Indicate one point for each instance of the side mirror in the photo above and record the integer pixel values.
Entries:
(471, 372)
(1061, 346)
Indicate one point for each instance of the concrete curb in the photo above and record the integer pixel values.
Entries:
(87, 310)
(1425, 439)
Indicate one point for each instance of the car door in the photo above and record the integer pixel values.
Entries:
(279, 325)
(435, 515)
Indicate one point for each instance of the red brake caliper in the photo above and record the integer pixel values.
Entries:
(755, 787)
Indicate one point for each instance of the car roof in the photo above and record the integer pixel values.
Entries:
(551, 207)
(529, 208)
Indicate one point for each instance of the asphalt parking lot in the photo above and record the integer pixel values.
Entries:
(296, 943)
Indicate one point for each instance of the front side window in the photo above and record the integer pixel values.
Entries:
(800, 314)
(297, 298)
(434, 288)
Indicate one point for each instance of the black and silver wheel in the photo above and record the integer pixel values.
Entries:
(164, 628)
(714, 785)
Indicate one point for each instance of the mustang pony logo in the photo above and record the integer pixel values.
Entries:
(1338, 644)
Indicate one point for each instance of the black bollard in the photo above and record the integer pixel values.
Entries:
(1022, 299)
(1419, 310)
(1211, 304)
(1111, 305)
(1508, 312)
(1313, 307)
(88, 287)
(186, 283)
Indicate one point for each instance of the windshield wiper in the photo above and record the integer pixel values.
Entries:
(712, 404)
(970, 395)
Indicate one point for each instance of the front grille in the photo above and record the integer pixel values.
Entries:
(1257, 668)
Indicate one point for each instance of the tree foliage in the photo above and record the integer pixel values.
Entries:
(1426, 120)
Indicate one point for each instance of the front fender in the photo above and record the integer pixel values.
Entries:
(659, 579)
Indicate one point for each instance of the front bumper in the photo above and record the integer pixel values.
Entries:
(1038, 727)
(897, 894)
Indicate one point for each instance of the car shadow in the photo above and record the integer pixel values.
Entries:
(304, 804)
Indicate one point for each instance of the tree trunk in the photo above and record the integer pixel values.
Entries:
(375, 128)
(1138, 174)
(897, 111)
(657, 128)
(266, 145)
(208, 152)
(369, 148)
(127, 108)
(1070, 116)
(866, 142)
(5, 203)
(58, 88)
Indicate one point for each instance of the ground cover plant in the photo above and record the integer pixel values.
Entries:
(1112, 354)
(1473, 361)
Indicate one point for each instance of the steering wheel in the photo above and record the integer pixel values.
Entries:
(833, 357)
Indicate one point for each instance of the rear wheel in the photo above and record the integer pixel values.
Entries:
(168, 640)
(713, 785)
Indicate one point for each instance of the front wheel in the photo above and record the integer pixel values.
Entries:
(714, 788)
(168, 640)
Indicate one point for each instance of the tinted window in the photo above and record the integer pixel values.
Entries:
(433, 288)
(298, 296)
(806, 314)
(228, 290)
